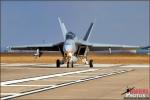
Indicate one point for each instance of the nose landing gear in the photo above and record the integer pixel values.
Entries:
(70, 64)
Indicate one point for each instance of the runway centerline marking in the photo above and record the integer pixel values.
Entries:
(45, 77)
(65, 84)
(3, 94)
(25, 85)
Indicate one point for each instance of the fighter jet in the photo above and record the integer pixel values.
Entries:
(72, 48)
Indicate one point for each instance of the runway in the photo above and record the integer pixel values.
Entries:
(37, 80)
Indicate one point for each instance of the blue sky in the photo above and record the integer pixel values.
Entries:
(35, 22)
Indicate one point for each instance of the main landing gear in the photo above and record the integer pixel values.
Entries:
(91, 63)
(57, 63)
(69, 64)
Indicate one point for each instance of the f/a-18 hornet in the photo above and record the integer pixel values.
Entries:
(72, 49)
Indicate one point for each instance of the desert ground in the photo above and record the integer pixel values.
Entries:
(97, 58)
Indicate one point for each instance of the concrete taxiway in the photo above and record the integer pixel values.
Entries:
(44, 81)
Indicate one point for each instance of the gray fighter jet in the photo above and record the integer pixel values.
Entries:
(72, 49)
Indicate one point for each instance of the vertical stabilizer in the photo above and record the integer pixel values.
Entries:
(87, 35)
(63, 28)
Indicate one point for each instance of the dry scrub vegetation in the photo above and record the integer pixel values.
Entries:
(98, 58)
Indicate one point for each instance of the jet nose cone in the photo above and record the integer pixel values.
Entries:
(67, 48)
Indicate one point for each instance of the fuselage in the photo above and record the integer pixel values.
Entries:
(69, 47)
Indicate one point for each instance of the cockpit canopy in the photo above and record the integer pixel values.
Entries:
(70, 35)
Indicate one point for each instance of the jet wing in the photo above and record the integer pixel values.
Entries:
(98, 47)
(101, 47)
(41, 47)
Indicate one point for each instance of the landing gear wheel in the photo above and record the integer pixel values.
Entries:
(72, 64)
(67, 64)
(91, 63)
(57, 63)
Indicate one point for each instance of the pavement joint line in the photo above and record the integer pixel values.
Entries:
(136, 65)
(19, 64)
(46, 64)
(44, 77)
(64, 84)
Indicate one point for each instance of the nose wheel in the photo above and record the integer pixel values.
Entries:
(70, 64)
